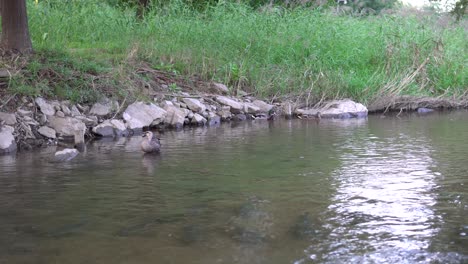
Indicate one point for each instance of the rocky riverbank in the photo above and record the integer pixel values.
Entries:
(39, 122)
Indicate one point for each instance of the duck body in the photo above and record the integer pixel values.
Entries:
(150, 144)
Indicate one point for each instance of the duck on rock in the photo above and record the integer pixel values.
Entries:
(150, 144)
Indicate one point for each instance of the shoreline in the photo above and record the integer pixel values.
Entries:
(38, 122)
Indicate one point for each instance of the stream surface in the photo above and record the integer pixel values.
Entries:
(376, 190)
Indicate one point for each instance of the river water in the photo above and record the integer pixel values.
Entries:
(376, 190)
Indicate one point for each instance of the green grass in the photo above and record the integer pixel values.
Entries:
(275, 52)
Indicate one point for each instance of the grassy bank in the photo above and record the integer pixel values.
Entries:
(87, 48)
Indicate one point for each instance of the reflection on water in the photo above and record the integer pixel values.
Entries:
(357, 191)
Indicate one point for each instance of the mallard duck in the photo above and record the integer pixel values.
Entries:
(150, 144)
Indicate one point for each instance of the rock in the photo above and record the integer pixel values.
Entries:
(166, 103)
(421, 110)
(104, 108)
(66, 110)
(186, 111)
(7, 140)
(198, 120)
(194, 104)
(337, 109)
(190, 115)
(31, 121)
(23, 112)
(214, 120)
(236, 107)
(110, 128)
(175, 116)
(264, 107)
(241, 93)
(9, 119)
(65, 126)
(75, 111)
(42, 119)
(304, 227)
(83, 109)
(240, 117)
(253, 224)
(251, 108)
(46, 108)
(224, 113)
(221, 88)
(119, 128)
(139, 115)
(105, 129)
(65, 155)
(287, 109)
(59, 114)
(47, 132)
(89, 121)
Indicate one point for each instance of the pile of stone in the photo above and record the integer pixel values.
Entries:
(46, 122)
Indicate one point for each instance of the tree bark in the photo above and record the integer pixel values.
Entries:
(142, 6)
(15, 31)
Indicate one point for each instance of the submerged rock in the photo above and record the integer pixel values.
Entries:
(253, 224)
(304, 227)
(65, 155)
(240, 117)
(214, 120)
(424, 110)
(7, 140)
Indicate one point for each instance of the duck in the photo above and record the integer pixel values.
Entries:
(150, 144)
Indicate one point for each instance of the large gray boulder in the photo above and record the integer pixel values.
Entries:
(236, 107)
(46, 108)
(175, 116)
(47, 132)
(251, 108)
(7, 140)
(9, 119)
(194, 104)
(65, 126)
(110, 128)
(264, 107)
(336, 109)
(139, 115)
(198, 120)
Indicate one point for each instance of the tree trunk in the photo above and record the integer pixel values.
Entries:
(142, 6)
(15, 32)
